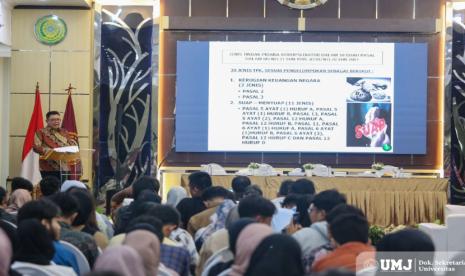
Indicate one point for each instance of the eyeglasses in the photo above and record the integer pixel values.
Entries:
(311, 209)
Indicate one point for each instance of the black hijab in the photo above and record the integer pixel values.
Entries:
(35, 243)
(234, 231)
(277, 255)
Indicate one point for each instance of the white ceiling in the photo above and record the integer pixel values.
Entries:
(74, 3)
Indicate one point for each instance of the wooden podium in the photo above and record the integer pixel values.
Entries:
(70, 163)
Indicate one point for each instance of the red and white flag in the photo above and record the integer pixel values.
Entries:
(30, 159)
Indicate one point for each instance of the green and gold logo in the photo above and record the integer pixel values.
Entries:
(50, 30)
(302, 4)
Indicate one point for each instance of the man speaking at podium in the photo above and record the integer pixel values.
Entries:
(50, 137)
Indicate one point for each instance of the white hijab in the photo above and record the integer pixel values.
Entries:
(175, 195)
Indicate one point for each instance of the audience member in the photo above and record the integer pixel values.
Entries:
(406, 240)
(36, 248)
(277, 255)
(118, 198)
(188, 207)
(148, 247)
(6, 254)
(70, 184)
(218, 221)
(290, 202)
(410, 240)
(173, 255)
(239, 185)
(212, 197)
(302, 186)
(83, 241)
(125, 213)
(46, 212)
(316, 235)
(283, 192)
(253, 190)
(21, 183)
(249, 238)
(122, 259)
(18, 198)
(85, 220)
(175, 195)
(258, 208)
(49, 185)
(4, 215)
(349, 235)
(141, 222)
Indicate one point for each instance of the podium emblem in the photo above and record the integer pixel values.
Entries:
(302, 4)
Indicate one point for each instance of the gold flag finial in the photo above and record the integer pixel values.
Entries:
(69, 89)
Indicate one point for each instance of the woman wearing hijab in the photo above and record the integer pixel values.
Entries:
(175, 195)
(121, 259)
(148, 247)
(248, 240)
(277, 255)
(6, 253)
(233, 233)
(17, 199)
(36, 249)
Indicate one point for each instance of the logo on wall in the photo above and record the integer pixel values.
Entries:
(50, 30)
(302, 4)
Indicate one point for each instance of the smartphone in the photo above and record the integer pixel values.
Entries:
(296, 218)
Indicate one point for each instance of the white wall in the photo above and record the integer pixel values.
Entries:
(4, 118)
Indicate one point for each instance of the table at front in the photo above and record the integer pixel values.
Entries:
(385, 201)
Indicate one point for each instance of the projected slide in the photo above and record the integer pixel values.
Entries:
(300, 97)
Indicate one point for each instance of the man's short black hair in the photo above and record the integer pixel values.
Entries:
(165, 213)
(252, 206)
(343, 209)
(290, 200)
(348, 224)
(406, 240)
(145, 183)
(86, 206)
(200, 180)
(285, 186)
(302, 186)
(253, 190)
(327, 200)
(2, 194)
(49, 185)
(146, 222)
(50, 113)
(38, 209)
(21, 183)
(67, 203)
(239, 184)
(216, 191)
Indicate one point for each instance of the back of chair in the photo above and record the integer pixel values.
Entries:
(27, 269)
(83, 264)
(450, 209)
(224, 255)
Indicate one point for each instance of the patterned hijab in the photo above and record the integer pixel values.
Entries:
(249, 238)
